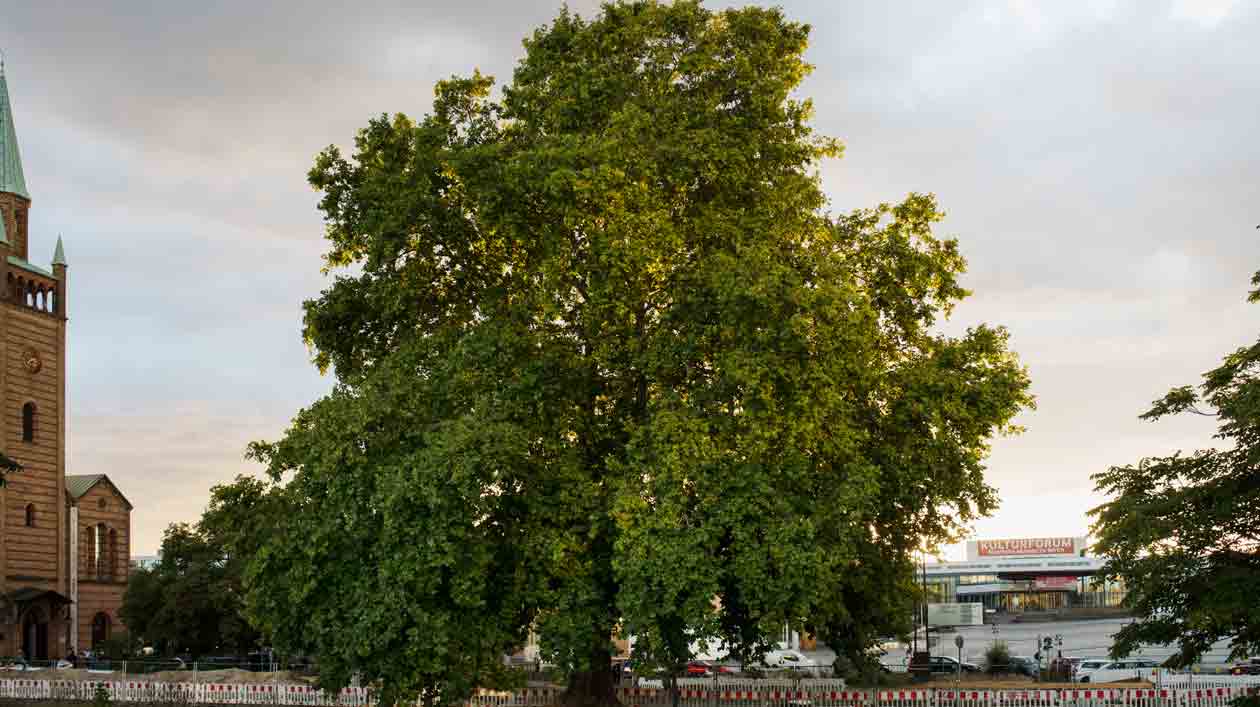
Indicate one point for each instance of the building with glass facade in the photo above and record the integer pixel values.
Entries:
(1025, 575)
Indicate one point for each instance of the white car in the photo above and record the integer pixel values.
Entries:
(1096, 671)
(791, 660)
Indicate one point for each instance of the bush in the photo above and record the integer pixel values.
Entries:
(120, 646)
(997, 658)
(1249, 700)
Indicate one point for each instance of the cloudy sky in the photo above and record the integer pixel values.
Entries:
(1099, 161)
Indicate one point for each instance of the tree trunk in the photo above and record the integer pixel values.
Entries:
(596, 687)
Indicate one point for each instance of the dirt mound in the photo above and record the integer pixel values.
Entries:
(230, 675)
(233, 676)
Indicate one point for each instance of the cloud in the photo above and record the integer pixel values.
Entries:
(1207, 13)
(1097, 161)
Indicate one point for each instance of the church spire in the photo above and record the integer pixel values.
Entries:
(11, 178)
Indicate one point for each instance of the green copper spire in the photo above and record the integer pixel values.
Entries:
(11, 178)
(59, 255)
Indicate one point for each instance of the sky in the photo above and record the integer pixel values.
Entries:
(1099, 163)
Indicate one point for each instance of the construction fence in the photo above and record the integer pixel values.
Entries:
(805, 695)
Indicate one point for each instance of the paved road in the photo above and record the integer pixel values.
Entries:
(1080, 638)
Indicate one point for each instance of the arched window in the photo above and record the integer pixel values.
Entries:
(98, 550)
(100, 629)
(28, 422)
(88, 550)
(113, 554)
(30, 515)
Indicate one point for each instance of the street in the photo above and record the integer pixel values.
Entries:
(1080, 638)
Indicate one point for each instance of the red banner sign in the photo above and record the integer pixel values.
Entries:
(1054, 583)
(1025, 546)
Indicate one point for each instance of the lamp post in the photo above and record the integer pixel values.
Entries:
(927, 644)
(958, 641)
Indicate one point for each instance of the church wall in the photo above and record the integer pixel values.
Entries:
(37, 555)
(33, 553)
(114, 516)
(102, 591)
(95, 599)
(16, 210)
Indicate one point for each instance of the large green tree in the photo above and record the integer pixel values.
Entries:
(604, 364)
(1182, 531)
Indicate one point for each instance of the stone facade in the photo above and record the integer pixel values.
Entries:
(44, 611)
(98, 551)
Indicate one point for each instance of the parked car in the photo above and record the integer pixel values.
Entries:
(1023, 665)
(696, 669)
(723, 668)
(1088, 665)
(791, 660)
(1247, 667)
(1116, 670)
(944, 665)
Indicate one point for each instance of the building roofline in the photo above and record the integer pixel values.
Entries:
(30, 267)
(12, 179)
(87, 482)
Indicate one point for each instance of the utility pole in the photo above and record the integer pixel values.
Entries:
(927, 644)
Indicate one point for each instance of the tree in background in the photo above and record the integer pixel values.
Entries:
(604, 365)
(1183, 531)
(193, 600)
(7, 466)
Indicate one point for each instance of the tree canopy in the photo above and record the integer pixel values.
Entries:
(193, 600)
(1182, 531)
(606, 365)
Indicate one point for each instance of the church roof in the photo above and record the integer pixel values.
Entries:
(77, 485)
(29, 267)
(11, 178)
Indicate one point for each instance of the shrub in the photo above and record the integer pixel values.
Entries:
(1252, 699)
(997, 658)
(120, 646)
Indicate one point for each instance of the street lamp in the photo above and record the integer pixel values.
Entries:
(958, 641)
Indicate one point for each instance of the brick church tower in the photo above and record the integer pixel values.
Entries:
(63, 540)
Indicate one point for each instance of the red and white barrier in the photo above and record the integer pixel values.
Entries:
(140, 692)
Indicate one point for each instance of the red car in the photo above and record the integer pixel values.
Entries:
(698, 670)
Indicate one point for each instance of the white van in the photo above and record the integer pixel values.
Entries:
(1096, 671)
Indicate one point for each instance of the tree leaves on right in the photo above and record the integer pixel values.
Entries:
(607, 367)
(1182, 532)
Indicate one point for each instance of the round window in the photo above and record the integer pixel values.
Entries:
(102, 504)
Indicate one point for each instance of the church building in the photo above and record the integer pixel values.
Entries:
(64, 540)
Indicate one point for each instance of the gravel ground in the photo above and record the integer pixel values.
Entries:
(230, 675)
